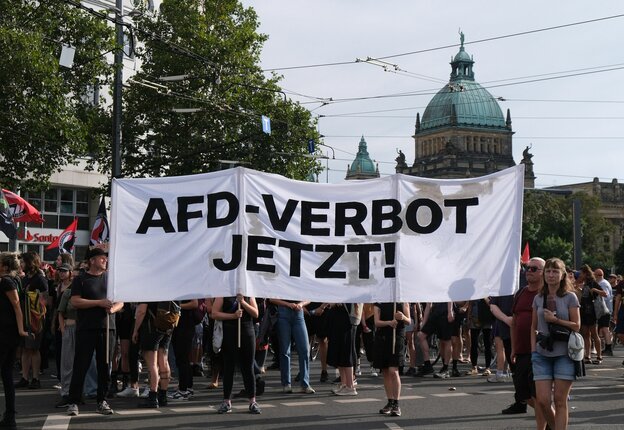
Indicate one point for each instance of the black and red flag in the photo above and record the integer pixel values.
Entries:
(21, 210)
(65, 242)
(7, 226)
(99, 233)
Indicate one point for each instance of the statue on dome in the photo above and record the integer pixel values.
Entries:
(526, 155)
(461, 37)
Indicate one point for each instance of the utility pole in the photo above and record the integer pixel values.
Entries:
(119, 41)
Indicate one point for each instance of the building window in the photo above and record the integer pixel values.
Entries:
(60, 207)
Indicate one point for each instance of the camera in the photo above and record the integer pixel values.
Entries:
(545, 341)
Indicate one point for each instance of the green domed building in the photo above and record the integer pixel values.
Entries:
(463, 132)
(362, 167)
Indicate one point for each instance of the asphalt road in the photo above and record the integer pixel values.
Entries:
(427, 403)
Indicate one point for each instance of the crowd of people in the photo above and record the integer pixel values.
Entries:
(100, 346)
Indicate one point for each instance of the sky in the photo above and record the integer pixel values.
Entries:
(572, 123)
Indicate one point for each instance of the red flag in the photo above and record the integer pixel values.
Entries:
(21, 210)
(65, 242)
(525, 254)
(26, 237)
(99, 234)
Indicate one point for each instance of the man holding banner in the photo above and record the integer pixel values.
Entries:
(95, 322)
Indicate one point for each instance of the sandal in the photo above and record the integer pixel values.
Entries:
(212, 386)
(598, 360)
(587, 361)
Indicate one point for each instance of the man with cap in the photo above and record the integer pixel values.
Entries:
(94, 317)
(605, 320)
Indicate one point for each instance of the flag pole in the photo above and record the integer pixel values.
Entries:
(239, 326)
(393, 329)
(107, 337)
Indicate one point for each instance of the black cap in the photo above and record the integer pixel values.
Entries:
(65, 267)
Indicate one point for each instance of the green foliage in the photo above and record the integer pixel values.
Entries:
(45, 119)
(548, 227)
(618, 260)
(225, 82)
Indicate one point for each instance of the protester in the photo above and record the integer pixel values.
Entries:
(33, 281)
(154, 345)
(501, 308)
(522, 313)
(605, 320)
(181, 340)
(438, 319)
(94, 310)
(291, 324)
(239, 345)
(553, 369)
(481, 319)
(67, 316)
(589, 327)
(62, 280)
(390, 321)
(128, 351)
(341, 344)
(318, 327)
(11, 330)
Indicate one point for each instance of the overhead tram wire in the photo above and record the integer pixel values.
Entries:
(488, 39)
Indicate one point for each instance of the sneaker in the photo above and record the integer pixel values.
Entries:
(373, 372)
(515, 408)
(486, 372)
(63, 403)
(255, 409)
(72, 410)
(307, 390)
(23, 383)
(212, 386)
(287, 389)
(442, 374)
(472, 372)
(324, 376)
(128, 392)
(338, 388)
(179, 395)
(35, 384)
(145, 392)
(411, 371)
(386, 409)
(358, 371)
(57, 386)
(455, 373)
(502, 377)
(103, 408)
(226, 408)
(395, 411)
(346, 391)
(424, 370)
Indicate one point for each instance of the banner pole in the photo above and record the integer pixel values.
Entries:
(393, 329)
(239, 327)
(107, 337)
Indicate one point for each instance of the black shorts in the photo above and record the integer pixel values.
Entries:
(604, 321)
(457, 324)
(439, 325)
(153, 340)
(523, 378)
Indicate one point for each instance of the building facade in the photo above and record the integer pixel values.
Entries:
(362, 166)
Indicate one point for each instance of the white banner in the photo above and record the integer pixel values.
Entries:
(398, 238)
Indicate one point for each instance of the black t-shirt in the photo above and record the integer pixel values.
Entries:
(386, 313)
(438, 309)
(186, 316)
(230, 305)
(8, 324)
(91, 287)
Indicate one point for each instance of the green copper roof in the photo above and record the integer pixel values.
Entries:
(462, 102)
(362, 163)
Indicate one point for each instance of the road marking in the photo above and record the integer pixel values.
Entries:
(151, 411)
(245, 407)
(361, 400)
(193, 409)
(497, 392)
(413, 397)
(602, 369)
(309, 403)
(56, 422)
(450, 395)
(393, 426)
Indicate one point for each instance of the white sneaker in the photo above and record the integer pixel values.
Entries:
(128, 392)
(337, 389)
(373, 372)
(346, 391)
(103, 408)
(358, 371)
(72, 410)
(145, 393)
(287, 389)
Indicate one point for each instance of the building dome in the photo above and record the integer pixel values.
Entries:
(362, 167)
(462, 102)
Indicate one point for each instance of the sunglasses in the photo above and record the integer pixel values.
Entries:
(533, 269)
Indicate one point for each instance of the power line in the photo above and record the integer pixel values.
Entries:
(489, 39)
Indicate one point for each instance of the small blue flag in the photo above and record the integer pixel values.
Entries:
(266, 124)
(311, 146)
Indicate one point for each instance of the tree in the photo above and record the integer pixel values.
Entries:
(216, 47)
(548, 227)
(46, 119)
(619, 259)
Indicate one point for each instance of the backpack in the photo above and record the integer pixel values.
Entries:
(166, 317)
(35, 311)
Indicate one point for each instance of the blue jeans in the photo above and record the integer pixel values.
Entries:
(290, 324)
